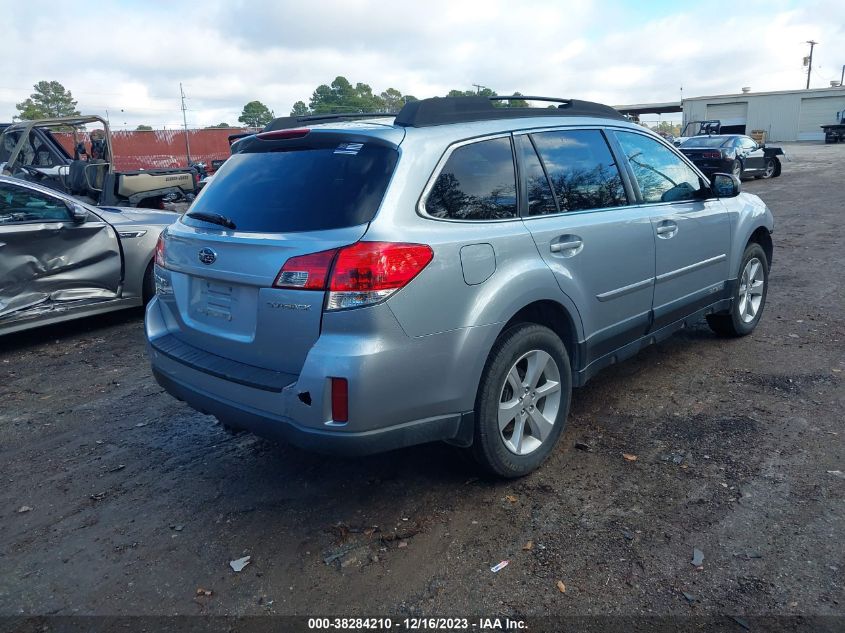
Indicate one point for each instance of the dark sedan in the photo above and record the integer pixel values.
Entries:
(733, 154)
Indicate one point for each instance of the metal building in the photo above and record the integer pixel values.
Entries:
(785, 115)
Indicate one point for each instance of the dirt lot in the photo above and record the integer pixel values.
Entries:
(135, 501)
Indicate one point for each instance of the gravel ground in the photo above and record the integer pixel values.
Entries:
(118, 500)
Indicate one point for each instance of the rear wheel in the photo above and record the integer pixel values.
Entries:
(736, 168)
(522, 401)
(750, 297)
(770, 168)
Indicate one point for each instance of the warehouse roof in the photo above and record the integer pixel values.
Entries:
(812, 91)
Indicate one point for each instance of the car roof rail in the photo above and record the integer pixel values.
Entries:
(290, 122)
(446, 110)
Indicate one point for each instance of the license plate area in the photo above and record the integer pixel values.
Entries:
(227, 309)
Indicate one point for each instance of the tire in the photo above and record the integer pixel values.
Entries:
(505, 451)
(771, 168)
(148, 286)
(743, 317)
(156, 202)
(736, 169)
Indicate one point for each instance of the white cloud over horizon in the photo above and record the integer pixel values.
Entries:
(129, 57)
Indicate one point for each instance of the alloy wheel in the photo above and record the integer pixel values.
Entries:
(751, 288)
(529, 402)
(770, 168)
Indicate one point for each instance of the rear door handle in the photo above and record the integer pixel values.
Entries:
(667, 229)
(567, 243)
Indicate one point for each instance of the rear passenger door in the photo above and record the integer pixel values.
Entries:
(691, 228)
(753, 158)
(600, 247)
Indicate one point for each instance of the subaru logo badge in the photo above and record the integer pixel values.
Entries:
(207, 256)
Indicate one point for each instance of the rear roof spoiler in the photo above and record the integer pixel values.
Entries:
(290, 122)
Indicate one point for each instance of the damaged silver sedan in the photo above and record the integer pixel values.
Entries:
(61, 259)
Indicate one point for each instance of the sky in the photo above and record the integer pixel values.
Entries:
(128, 57)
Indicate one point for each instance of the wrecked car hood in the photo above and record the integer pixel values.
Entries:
(117, 216)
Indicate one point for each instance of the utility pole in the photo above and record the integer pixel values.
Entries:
(478, 88)
(812, 44)
(185, 123)
(842, 77)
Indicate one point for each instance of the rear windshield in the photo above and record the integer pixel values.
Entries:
(310, 189)
(706, 141)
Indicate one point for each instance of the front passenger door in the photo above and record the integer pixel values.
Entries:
(600, 247)
(691, 228)
(48, 259)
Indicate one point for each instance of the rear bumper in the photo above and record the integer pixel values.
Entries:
(402, 390)
(710, 167)
(346, 443)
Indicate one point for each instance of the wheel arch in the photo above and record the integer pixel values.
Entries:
(557, 318)
(146, 293)
(762, 237)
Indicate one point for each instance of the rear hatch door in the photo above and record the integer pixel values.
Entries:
(282, 197)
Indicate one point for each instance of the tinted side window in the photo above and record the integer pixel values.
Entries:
(662, 176)
(541, 201)
(477, 183)
(581, 168)
(18, 204)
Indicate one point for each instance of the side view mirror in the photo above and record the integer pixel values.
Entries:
(78, 213)
(726, 186)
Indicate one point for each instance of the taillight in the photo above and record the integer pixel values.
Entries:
(159, 256)
(306, 272)
(369, 272)
(358, 275)
(340, 400)
(711, 154)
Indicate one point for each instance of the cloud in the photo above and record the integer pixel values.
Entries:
(130, 57)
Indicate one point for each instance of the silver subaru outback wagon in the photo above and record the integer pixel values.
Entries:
(359, 284)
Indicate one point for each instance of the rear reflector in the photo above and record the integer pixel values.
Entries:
(340, 400)
(280, 135)
(159, 256)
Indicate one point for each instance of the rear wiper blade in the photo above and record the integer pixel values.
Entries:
(214, 218)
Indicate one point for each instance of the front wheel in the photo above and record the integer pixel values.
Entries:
(750, 297)
(522, 401)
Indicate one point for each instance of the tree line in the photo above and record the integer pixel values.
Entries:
(51, 99)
